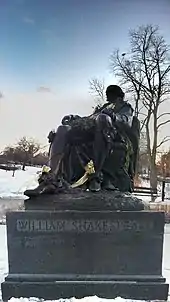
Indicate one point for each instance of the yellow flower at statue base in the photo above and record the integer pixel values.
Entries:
(89, 169)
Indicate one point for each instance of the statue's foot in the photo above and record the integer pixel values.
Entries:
(48, 184)
(41, 189)
(108, 185)
(94, 185)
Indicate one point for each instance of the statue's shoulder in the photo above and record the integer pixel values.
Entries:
(128, 105)
(125, 107)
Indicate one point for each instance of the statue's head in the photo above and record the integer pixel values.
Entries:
(114, 93)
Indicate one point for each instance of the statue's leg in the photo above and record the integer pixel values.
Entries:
(117, 165)
(101, 148)
(50, 182)
(57, 148)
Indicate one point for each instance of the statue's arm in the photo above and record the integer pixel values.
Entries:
(67, 120)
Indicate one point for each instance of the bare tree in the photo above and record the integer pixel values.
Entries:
(97, 90)
(164, 164)
(130, 76)
(145, 72)
(27, 148)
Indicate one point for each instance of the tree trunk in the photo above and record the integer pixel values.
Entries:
(137, 167)
(153, 177)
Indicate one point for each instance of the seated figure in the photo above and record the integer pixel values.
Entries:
(102, 147)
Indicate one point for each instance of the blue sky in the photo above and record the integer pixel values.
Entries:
(60, 45)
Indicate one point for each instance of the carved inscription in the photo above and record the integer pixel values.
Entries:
(80, 226)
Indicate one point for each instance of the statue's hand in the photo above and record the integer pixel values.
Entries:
(51, 136)
(68, 119)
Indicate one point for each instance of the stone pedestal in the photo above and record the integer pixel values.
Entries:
(64, 253)
(79, 244)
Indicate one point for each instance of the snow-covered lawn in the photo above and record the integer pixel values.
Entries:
(13, 187)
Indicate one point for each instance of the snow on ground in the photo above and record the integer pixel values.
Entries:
(13, 187)
(85, 299)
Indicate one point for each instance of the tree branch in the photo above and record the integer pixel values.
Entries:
(167, 70)
(97, 88)
(164, 140)
(162, 124)
(163, 114)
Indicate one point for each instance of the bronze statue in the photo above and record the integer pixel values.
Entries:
(96, 152)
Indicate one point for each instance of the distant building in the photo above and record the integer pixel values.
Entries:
(143, 143)
(143, 155)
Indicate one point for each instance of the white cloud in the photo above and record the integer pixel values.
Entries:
(44, 89)
(29, 20)
(35, 114)
(50, 36)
